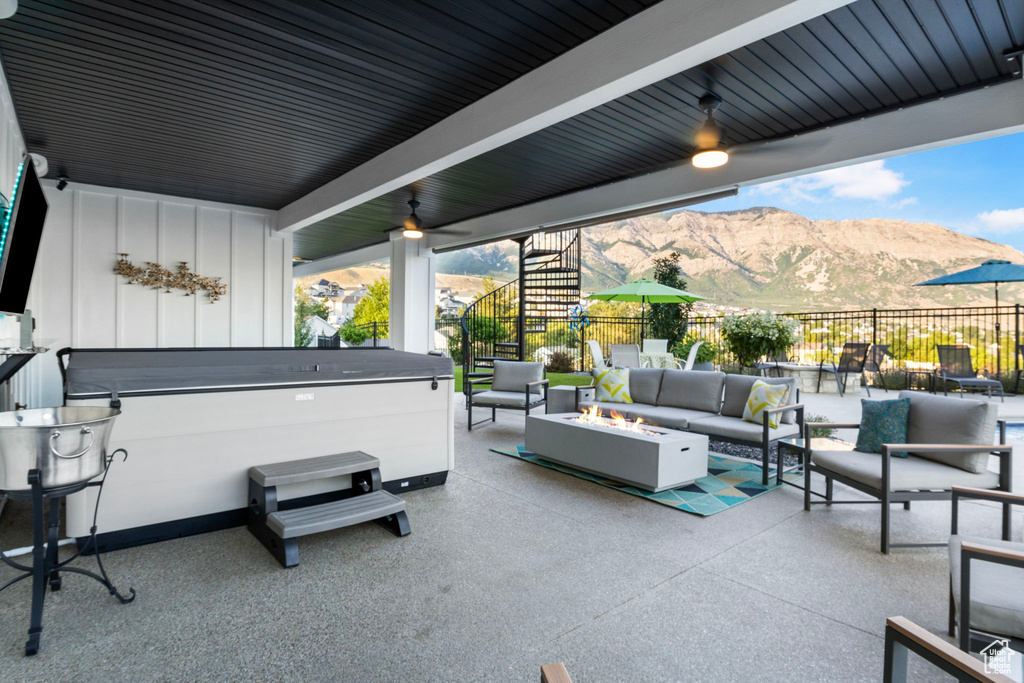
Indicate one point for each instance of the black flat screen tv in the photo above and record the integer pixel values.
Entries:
(20, 232)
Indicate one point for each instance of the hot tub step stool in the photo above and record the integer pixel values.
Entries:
(278, 529)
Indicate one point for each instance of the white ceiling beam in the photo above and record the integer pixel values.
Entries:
(350, 259)
(978, 114)
(671, 36)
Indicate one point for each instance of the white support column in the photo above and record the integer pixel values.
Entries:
(411, 320)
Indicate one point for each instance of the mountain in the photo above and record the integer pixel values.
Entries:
(765, 257)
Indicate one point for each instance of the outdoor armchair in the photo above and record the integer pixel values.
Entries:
(873, 363)
(655, 346)
(515, 385)
(851, 360)
(947, 445)
(772, 364)
(903, 636)
(955, 366)
(986, 587)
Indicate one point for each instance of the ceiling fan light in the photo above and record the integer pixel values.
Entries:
(412, 234)
(710, 158)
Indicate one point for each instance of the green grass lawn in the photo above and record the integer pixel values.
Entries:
(557, 379)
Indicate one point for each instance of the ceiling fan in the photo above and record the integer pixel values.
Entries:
(710, 149)
(412, 226)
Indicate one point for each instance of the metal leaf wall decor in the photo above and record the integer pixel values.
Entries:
(156, 276)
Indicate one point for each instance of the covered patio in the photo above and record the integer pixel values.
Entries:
(252, 143)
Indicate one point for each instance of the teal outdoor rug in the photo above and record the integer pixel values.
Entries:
(729, 483)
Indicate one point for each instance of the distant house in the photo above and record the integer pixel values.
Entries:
(319, 327)
(346, 306)
(450, 307)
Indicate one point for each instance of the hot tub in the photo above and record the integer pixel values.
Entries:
(195, 420)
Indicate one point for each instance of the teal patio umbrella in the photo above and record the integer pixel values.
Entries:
(990, 272)
(646, 292)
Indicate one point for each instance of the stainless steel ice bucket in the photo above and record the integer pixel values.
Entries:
(69, 445)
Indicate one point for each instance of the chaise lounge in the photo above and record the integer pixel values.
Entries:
(709, 403)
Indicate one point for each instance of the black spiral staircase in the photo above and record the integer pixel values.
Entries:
(498, 325)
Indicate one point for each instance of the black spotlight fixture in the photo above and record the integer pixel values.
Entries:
(62, 182)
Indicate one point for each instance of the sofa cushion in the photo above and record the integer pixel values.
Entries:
(665, 416)
(514, 376)
(764, 397)
(910, 474)
(737, 390)
(883, 422)
(736, 428)
(644, 384)
(947, 420)
(997, 602)
(607, 407)
(502, 398)
(691, 389)
(612, 385)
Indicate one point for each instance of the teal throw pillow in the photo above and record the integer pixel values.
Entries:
(883, 422)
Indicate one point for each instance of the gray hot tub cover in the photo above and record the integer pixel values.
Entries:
(104, 372)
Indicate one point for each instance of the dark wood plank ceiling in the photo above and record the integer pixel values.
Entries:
(863, 58)
(258, 102)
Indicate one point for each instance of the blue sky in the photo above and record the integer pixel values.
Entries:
(975, 188)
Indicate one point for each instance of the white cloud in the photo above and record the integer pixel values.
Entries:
(871, 180)
(906, 201)
(1002, 220)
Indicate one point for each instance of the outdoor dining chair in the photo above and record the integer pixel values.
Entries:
(955, 366)
(873, 363)
(625, 355)
(851, 360)
(596, 356)
(772, 364)
(655, 345)
(1020, 373)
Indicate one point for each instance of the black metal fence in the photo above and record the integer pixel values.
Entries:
(992, 333)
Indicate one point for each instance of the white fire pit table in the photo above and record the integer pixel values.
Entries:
(655, 459)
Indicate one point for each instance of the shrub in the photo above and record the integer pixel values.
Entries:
(819, 432)
(705, 354)
(483, 328)
(353, 335)
(561, 362)
(755, 336)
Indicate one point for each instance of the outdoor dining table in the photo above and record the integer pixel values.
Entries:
(658, 360)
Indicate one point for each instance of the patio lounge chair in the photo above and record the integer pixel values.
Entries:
(691, 357)
(850, 361)
(986, 589)
(948, 442)
(955, 366)
(903, 636)
(514, 386)
(596, 356)
(625, 355)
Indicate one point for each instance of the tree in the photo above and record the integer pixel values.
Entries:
(374, 307)
(669, 321)
(305, 307)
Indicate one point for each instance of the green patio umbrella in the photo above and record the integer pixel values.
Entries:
(646, 292)
(990, 272)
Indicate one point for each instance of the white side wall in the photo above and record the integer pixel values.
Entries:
(78, 301)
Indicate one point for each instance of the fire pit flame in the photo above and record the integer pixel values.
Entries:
(593, 416)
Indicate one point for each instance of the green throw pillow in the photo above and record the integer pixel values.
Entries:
(764, 396)
(613, 385)
(883, 422)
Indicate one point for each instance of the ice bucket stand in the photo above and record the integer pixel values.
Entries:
(46, 567)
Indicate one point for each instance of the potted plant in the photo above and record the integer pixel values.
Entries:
(706, 353)
(759, 335)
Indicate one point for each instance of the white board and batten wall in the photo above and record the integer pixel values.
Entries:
(79, 301)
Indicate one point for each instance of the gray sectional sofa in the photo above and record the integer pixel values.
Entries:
(708, 403)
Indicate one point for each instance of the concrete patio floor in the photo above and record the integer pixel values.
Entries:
(511, 566)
